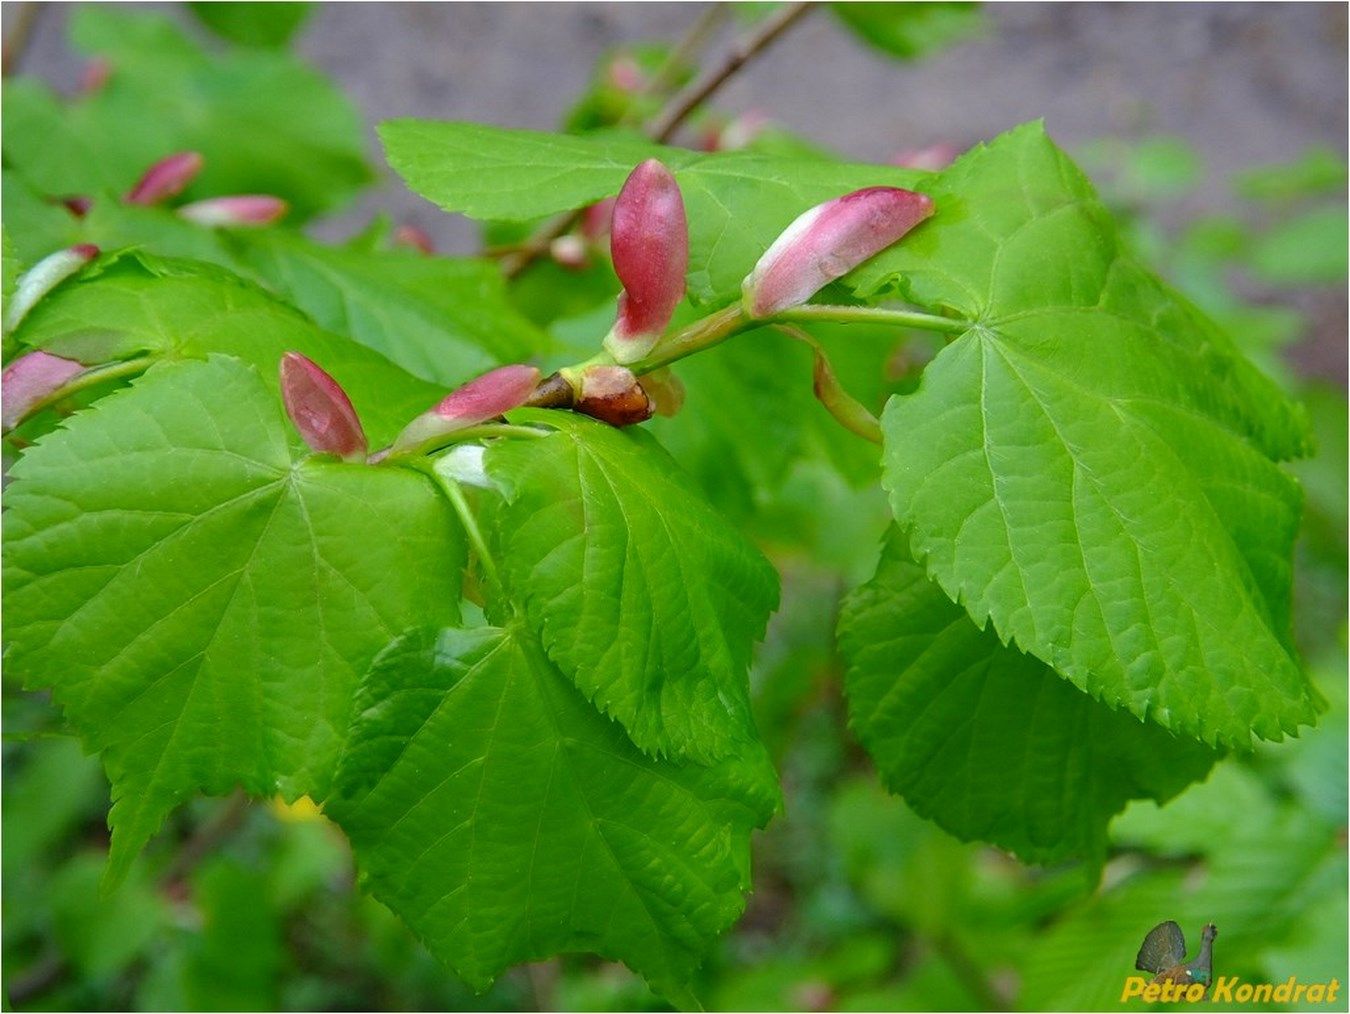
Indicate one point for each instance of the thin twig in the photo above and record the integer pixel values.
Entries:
(667, 121)
(687, 48)
(16, 43)
(698, 92)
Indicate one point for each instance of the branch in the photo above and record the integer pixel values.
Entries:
(205, 840)
(16, 43)
(698, 92)
(675, 112)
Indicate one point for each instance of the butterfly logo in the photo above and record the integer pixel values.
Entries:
(1164, 953)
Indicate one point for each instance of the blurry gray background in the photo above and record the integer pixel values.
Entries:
(1246, 84)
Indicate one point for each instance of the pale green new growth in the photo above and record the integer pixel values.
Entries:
(984, 740)
(505, 820)
(201, 602)
(642, 594)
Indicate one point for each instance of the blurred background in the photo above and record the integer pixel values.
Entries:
(1218, 133)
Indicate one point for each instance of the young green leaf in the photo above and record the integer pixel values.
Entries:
(1090, 464)
(641, 593)
(505, 820)
(138, 303)
(441, 319)
(988, 742)
(200, 601)
(907, 31)
(269, 25)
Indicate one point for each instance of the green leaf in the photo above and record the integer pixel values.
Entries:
(201, 602)
(642, 594)
(269, 25)
(909, 30)
(236, 961)
(1317, 171)
(1089, 464)
(265, 122)
(36, 226)
(1308, 249)
(737, 202)
(101, 934)
(505, 820)
(12, 266)
(441, 319)
(988, 742)
(137, 303)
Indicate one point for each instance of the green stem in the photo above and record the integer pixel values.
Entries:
(460, 503)
(90, 378)
(872, 315)
(458, 437)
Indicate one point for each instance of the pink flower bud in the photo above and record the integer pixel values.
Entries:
(649, 241)
(737, 133)
(30, 379)
(238, 211)
(829, 241)
(320, 409)
(94, 75)
(932, 158)
(626, 75)
(78, 205)
(414, 237)
(44, 276)
(479, 400)
(612, 394)
(596, 220)
(167, 178)
(569, 251)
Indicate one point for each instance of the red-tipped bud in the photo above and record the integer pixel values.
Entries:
(30, 379)
(569, 251)
(829, 241)
(320, 409)
(238, 211)
(479, 400)
(612, 394)
(167, 178)
(78, 205)
(94, 75)
(932, 158)
(412, 236)
(44, 276)
(649, 241)
(737, 133)
(626, 75)
(665, 390)
(596, 220)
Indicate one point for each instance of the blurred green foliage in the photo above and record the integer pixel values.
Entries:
(859, 903)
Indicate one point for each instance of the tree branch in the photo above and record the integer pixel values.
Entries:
(16, 43)
(672, 115)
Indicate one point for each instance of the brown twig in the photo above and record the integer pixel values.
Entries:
(16, 43)
(687, 48)
(668, 120)
(698, 92)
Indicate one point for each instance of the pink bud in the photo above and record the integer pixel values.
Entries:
(30, 379)
(649, 241)
(932, 158)
(596, 220)
(167, 178)
(740, 132)
(94, 75)
(44, 276)
(612, 394)
(626, 75)
(320, 409)
(238, 211)
(568, 251)
(479, 400)
(412, 236)
(829, 241)
(78, 205)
